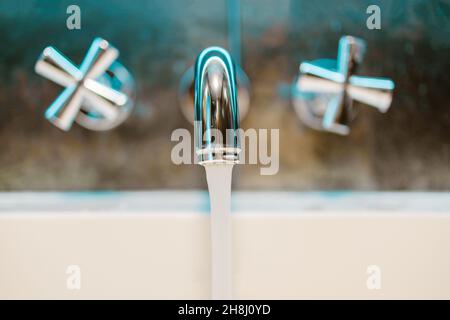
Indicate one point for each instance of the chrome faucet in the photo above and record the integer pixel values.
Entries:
(186, 86)
(217, 148)
(325, 89)
(98, 95)
(216, 112)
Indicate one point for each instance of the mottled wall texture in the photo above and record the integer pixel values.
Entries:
(407, 148)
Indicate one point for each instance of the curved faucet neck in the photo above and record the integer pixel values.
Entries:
(216, 111)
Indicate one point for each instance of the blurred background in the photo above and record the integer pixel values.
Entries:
(407, 148)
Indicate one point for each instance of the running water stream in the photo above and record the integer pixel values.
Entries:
(218, 177)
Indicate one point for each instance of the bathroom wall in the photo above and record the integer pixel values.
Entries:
(406, 149)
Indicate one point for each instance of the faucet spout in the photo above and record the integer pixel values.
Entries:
(216, 111)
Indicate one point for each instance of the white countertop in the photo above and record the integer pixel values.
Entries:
(197, 201)
(156, 245)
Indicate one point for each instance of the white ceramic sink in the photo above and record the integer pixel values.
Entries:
(286, 245)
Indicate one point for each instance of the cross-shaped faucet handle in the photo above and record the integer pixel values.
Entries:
(325, 89)
(98, 94)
